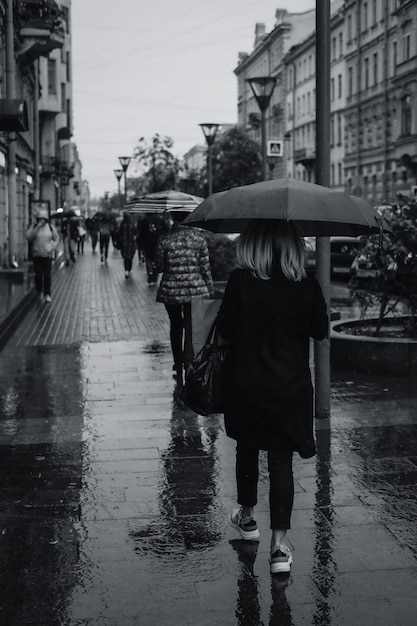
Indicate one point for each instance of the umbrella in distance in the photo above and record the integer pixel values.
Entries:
(316, 210)
(64, 214)
(161, 201)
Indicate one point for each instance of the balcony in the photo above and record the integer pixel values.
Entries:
(52, 166)
(40, 28)
(305, 156)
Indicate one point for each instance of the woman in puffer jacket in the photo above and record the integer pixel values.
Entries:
(183, 258)
(44, 239)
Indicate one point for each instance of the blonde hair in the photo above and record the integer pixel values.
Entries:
(264, 243)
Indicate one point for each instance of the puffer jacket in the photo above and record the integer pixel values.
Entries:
(44, 239)
(182, 257)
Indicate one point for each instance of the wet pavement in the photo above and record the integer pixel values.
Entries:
(113, 502)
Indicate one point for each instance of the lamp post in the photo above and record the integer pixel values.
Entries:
(210, 132)
(262, 88)
(119, 174)
(124, 162)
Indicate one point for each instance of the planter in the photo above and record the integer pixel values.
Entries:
(371, 355)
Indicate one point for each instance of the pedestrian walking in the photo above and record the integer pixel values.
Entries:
(82, 233)
(270, 309)
(44, 239)
(92, 228)
(69, 232)
(149, 233)
(105, 228)
(183, 258)
(126, 241)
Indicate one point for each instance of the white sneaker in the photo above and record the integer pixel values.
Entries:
(246, 527)
(48, 298)
(281, 559)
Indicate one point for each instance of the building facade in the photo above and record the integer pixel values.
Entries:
(37, 161)
(373, 93)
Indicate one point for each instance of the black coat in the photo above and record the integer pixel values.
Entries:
(269, 395)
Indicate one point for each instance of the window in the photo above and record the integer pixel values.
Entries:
(375, 61)
(339, 129)
(340, 44)
(339, 86)
(374, 12)
(63, 97)
(51, 77)
(394, 57)
(349, 27)
(406, 47)
(332, 89)
(365, 25)
(350, 81)
(332, 131)
(366, 73)
(339, 174)
(406, 115)
(333, 48)
(67, 66)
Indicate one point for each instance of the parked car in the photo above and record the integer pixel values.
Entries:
(343, 251)
(363, 269)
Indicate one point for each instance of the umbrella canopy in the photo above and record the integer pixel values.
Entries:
(64, 214)
(161, 201)
(316, 210)
(111, 214)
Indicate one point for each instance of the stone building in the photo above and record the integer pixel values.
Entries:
(373, 92)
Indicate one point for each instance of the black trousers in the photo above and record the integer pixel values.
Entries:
(180, 336)
(43, 269)
(127, 262)
(104, 245)
(281, 483)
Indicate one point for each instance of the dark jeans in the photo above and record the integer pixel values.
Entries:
(128, 264)
(180, 336)
(104, 245)
(94, 239)
(43, 267)
(281, 482)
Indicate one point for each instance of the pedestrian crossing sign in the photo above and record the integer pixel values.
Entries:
(274, 148)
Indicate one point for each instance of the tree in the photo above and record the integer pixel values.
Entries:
(236, 160)
(395, 262)
(158, 162)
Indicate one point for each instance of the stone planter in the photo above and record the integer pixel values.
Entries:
(371, 355)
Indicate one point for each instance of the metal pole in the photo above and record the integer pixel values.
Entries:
(322, 348)
(263, 141)
(125, 173)
(36, 138)
(12, 139)
(209, 170)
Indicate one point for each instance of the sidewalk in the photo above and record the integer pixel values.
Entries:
(113, 502)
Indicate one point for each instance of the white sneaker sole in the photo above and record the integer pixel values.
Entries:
(281, 568)
(247, 535)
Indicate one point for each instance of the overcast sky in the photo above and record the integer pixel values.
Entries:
(142, 67)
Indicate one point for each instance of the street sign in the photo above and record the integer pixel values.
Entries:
(274, 148)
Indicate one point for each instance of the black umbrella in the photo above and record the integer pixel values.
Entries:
(316, 210)
(64, 214)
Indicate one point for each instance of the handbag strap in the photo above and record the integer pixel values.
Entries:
(212, 336)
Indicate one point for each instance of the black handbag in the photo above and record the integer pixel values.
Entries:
(203, 390)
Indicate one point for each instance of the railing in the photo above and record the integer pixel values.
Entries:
(41, 14)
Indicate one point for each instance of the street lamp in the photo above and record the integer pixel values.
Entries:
(124, 162)
(210, 132)
(119, 174)
(262, 88)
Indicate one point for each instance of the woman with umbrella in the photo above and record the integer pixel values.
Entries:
(127, 243)
(269, 311)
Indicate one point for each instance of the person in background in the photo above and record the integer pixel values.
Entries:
(126, 242)
(69, 237)
(92, 228)
(44, 239)
(269, 311)
(183, 258)
(150, 231)
(105, 228)
(82, 233)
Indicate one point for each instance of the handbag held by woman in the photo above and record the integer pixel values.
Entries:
(203, 390)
